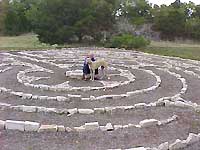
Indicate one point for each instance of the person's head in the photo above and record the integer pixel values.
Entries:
(88, 60)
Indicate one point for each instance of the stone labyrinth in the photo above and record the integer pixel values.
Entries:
(148, 103)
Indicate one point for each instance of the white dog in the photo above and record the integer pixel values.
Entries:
(95, 65)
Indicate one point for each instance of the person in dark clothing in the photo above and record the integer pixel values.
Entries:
(86, 69)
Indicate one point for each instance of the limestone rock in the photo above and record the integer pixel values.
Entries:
(109, 127)
(29, 108)
(148, 122)
(85, 111)
(61, 128)
(99, 110)
(140, 105)
(48, 128)
(91, 126)
(2, 124)
(68, 129)
(79, 129)
(61, 98)
(178, 144)
(163, 146)
(15, 125)
(31, 126)
(72, 111)
(192, 138)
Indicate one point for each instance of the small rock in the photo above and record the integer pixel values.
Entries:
(61, 98)
(192, 138)
(15, 125)
(99, 110)
(178, 144)
(148, 122)
(79, 129)
(2, 125)
(116, 127)
(48, 128)
(61, 128)
(91, 126)
(29, 108)
(85, 111)
(68, 129)
(109, 127)
(140, 105)
(31, 126)
(163, 146)
(72, 111)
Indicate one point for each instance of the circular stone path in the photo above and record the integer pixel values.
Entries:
(149, 102)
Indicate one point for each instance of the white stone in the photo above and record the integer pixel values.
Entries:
(138, 148)
(42, 97)
(91, 126)
(79, 129)
(140, 105)
(73, 111)
(61, 128)
(163, 146)
(116, 127)
(109, 127)
(2, 124)
(148, 122)
(99, 110)
(61, 98)
(41, 109)
(74, 97)
(15, 125)
(26, 96)
(178, 144)
(85, 111)
(179, 104)
(31, 126)
(29, 108)
(192, 138)
(102, 128)
(48, 128)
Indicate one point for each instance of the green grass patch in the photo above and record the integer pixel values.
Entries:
(183, 50)
(28, 41)
(177, 49)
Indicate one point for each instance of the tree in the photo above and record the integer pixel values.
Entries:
(3, 11)
(170, 21)
(57, 21)
(138, 12)
(15, 19)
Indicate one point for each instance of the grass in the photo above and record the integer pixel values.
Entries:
(27, 41)
(186, 50)
(183, 50)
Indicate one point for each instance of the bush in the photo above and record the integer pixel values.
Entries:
(128, 41)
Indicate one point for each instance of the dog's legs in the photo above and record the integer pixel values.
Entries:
(92, 74)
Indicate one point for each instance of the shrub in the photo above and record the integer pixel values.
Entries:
(128, 41)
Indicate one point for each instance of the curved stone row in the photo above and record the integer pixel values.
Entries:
(139, 61)
(178, 144)
(35, 126)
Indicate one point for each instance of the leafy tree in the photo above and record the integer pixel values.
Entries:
(170, 21)
(3, 12)
(137, 11)
(57, 21)
(15, 20)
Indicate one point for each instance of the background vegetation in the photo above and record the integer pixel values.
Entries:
(115, 23)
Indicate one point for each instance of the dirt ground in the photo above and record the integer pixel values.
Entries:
(188, 120)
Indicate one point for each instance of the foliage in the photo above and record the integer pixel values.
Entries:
(15, 21)
(3, 11)
(58, 21)
(128, 41)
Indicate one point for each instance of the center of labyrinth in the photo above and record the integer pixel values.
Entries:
(148, 101)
